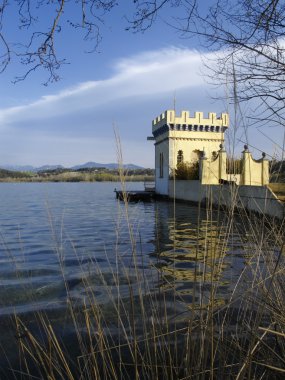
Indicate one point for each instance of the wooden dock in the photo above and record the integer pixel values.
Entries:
(135, 195)
(146, 195)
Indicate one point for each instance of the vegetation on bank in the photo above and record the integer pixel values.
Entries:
(277, 171)
(80, 175)
(184, 171)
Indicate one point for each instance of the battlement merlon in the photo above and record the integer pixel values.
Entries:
(170, 117)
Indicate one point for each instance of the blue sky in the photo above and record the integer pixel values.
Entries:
(132, 79)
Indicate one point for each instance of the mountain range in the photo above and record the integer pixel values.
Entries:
(87, 165)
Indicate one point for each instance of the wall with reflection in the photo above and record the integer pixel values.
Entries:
(195, 253)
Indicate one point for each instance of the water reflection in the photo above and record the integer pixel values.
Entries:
(195, 255)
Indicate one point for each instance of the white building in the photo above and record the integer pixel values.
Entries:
(183, 139)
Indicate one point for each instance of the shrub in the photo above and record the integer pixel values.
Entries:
(187, 170)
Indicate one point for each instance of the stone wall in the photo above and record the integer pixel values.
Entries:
(259, 199)
(253, 172)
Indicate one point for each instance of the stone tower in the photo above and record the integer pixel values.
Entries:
(182, 138)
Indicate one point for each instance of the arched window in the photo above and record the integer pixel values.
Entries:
(161, 165)
(179, 157)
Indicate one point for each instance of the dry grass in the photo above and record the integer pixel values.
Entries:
(145, 331)
(77, 177)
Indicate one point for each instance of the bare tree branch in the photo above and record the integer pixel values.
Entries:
(40, 52)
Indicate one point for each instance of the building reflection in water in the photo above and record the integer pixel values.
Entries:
(198, 254)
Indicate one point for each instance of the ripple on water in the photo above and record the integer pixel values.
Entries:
(74, 238)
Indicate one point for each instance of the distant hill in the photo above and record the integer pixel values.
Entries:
(18, 168)
(110, 166)
(48, 167)
(87, 165)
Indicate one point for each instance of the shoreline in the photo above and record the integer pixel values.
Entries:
(76, 178)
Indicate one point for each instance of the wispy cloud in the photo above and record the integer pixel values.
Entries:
(135, 92)
(148, 73)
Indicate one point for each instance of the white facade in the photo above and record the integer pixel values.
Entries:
(183, 138)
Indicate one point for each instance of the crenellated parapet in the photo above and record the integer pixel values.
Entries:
(184, 137)
(169, 120)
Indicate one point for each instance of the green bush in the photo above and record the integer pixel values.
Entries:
(187, 170)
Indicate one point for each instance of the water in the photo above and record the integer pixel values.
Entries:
(45, 227)
(59, 241)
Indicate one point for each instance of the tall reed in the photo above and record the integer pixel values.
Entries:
(146, 327)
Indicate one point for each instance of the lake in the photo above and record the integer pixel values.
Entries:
(61, 242)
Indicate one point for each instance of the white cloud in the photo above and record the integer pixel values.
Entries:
(140, 87)
(149, 73)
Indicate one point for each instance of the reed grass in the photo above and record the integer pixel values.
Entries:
(146, 329)
(78, 177)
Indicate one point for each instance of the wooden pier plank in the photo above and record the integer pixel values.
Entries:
(135, 195)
